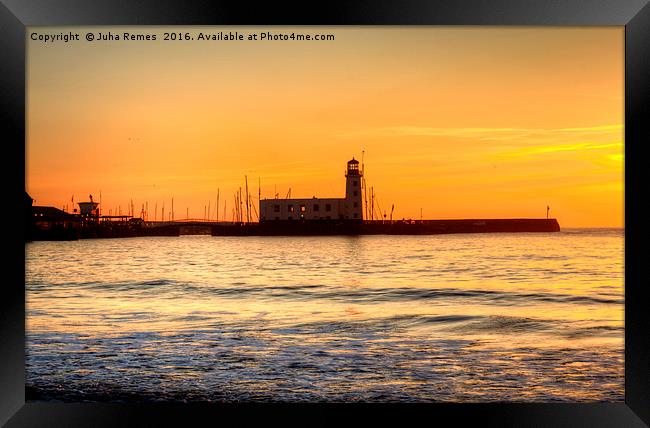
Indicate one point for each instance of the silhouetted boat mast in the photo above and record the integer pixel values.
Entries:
(248, 217)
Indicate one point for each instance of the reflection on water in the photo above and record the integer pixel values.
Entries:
(488, 317)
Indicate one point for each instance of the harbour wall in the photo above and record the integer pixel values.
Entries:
(304, 228)
(423, 227)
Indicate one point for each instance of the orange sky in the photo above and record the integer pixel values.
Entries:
(461, 122)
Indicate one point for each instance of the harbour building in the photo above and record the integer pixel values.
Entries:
(347, 208)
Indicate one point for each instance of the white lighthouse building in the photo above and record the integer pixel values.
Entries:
(348, 208)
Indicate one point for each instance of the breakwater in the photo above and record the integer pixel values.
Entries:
(296, 228)
(434, 227)
(98, 231)
(422, 227)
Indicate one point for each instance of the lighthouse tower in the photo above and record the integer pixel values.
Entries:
(353, 202)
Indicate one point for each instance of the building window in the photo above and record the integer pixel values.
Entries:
(328, 207)
(355, 204)
(276, 208)
(354, 193)
(302, 208)
(290, 208)
(354, 183)
(316, 207)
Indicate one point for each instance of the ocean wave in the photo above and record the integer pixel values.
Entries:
(465, 324)
(377, 294)
(333, 292)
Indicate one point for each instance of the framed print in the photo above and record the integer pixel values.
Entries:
(356, 207)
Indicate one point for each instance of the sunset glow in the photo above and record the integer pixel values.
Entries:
(456, 122)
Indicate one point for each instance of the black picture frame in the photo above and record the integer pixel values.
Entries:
(16, 15)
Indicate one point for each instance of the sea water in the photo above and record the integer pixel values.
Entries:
(463, 318)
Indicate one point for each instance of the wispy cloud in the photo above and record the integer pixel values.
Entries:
(582, 147)
(490, 134)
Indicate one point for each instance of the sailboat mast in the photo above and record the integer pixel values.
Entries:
(248, 216)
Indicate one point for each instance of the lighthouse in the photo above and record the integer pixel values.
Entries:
(348, 209)
(353, 205)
